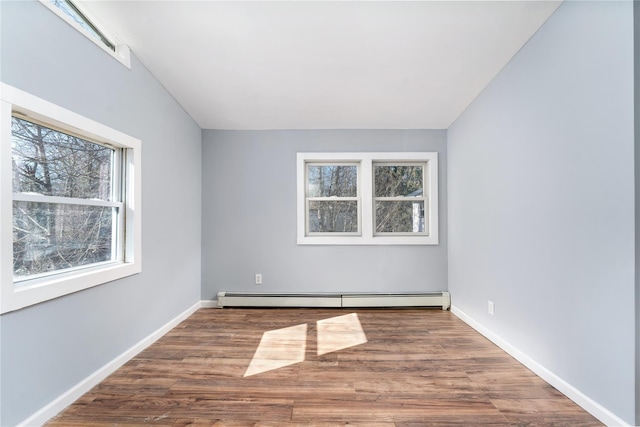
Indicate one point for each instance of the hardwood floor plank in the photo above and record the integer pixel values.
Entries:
(393, 367)
(392, 410)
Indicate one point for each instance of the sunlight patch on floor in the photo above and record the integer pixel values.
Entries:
(287, 346)
(338, 333)
(279, 348)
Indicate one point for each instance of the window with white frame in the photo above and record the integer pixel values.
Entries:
(79, 18)
(69, 198)
(67, 202)
(368, 198)
(71, 10)
(399, 198)
(332, 198)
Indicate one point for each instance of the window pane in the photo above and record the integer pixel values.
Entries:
(52, 163)
(51, 236)
(333, 217)
(72, 12)
(391, 181)
(328, 181)
(400, 217)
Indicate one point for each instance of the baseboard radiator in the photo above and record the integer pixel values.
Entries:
(330, 300)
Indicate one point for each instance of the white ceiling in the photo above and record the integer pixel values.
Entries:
(321, 64)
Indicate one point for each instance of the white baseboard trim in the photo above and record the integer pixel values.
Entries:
(210, 303)
(67, 398)
(588, 404)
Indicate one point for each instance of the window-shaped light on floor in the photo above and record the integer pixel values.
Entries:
(279, 348)
(338, 333)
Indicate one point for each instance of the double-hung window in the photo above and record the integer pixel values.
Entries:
(368, 198)
(332, 203)
(399, 198)
(66, 199)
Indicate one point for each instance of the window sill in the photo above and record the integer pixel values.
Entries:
(375, 240)
(35, 291)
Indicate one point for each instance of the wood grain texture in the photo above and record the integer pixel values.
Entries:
(416, 368)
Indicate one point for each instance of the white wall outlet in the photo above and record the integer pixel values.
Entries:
(258, 279)
(492, 308)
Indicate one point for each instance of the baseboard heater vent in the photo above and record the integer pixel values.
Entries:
(429, 299)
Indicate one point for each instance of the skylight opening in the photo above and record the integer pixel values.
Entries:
(72, 11)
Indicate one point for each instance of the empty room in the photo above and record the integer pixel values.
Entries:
(319, 213)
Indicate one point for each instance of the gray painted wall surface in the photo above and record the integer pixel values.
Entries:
(636, 68)
(50, 347)
(541, 202)
(249, 217)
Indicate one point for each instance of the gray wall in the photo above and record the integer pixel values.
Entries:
(541, 202)
(50, 347)
(636, 45)
(249, 217)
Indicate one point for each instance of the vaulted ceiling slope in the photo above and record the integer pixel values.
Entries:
(322, 64)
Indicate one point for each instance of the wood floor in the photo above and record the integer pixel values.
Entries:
(375, 368)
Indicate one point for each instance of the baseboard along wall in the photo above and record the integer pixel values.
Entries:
(585, 402)
(67, 398)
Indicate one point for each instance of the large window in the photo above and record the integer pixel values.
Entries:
(67, 199)
(368, 198)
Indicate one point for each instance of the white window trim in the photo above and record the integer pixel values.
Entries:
(365, 193)
(122, 52)
(38, 290)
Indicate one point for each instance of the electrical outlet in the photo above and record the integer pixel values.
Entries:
(492, 308)
(258, 279)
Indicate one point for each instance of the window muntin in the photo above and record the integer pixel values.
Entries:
(399, 199)
(401, 208)
(57, 180)
(332, 198)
